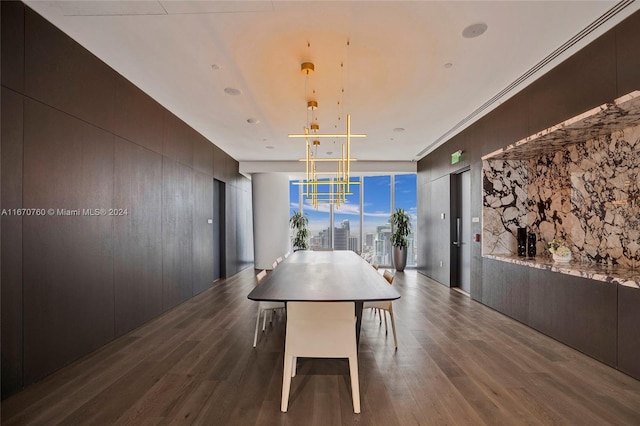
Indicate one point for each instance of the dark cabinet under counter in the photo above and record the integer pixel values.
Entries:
(596, 317)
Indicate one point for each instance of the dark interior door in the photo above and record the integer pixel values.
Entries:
(460, 231)
(218, 229)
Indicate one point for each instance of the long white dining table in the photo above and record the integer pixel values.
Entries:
(325, 276)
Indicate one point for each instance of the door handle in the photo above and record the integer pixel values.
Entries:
(457, 242)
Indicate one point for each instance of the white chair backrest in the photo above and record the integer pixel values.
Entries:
(261, 275)
(274, 265)
(388, 276)
(287, 254)
(325, 311)
(320, 329)
(279, 260)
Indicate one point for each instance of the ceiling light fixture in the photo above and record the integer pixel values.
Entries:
(335, 188)
(232, 91)
(307, 68)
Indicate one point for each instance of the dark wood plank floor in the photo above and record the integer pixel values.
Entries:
(458, 363)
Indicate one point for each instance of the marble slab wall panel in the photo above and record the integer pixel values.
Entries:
(586, 193)
(504, 204)
(549, 213)
(605, 198)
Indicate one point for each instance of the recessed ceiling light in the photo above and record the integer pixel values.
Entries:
(270, 147)
(329, 152)
(232, 91)
(215, 67)
(474, 30)
(399, 129)
(448, 65)
(253, 121)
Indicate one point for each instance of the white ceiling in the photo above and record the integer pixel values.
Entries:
(394, 72)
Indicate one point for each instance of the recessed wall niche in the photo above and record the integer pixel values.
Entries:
(579, 180)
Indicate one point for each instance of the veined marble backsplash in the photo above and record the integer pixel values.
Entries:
(504, 204)
(586, 193)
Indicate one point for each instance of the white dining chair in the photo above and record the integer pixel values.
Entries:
(320, 330)
(385, 306)
(287, 254)
(279, 260)
(263, 308)
(273, 266)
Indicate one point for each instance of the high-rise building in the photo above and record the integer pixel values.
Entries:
(346, 225)
(383, 244)
(369, 239)
(354, 244)
(340, 238)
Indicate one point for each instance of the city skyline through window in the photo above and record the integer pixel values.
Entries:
(377, 228)
(361, 224)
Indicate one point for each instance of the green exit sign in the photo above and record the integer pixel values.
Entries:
(455, 157)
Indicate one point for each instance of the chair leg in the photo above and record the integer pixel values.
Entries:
(294, 367)
(255, 335)
(380, 315)
(386, 329)
(286, 383)
(355, 383)
(393, 325)
(264, 319)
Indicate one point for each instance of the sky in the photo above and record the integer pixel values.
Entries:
(376, 202)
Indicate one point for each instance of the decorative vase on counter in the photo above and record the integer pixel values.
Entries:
(522, 241)
(562, 259)
(531, 245)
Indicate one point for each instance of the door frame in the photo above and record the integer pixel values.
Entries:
(455, 204)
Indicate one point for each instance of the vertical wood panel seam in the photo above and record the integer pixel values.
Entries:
(617, 58)
(162, 212)
(113, 234)
(24, 83)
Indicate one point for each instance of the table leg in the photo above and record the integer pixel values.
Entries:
(359, 306)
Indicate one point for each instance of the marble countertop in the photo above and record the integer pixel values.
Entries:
(620, 275)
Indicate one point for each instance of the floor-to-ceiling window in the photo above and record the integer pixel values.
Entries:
(361, 223)
(294, 197)
(376, 203)
(346, 220)
(319, 218)
(404, 197)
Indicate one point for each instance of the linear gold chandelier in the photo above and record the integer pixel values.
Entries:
(321, 187)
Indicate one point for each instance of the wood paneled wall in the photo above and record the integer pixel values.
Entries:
(77, 135)
(605, 69)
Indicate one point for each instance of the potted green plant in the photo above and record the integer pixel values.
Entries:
(299, 223)
(401, 227)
